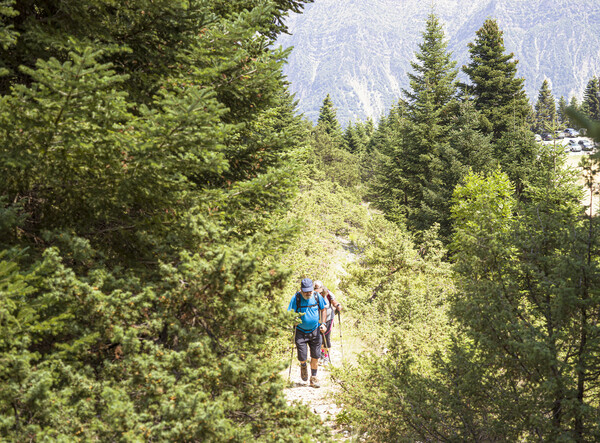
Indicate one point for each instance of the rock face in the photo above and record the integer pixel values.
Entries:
(359, 51)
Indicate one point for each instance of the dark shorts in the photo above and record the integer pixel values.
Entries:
(312, 339)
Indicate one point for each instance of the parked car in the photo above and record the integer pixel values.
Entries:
(570, 132)
(575, 148)
(538, 138)
(546, 136)
(573, 142)
(559, 134)
(587, 146)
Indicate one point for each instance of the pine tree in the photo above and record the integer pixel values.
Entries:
(331, 152)
(332, 160)
(327, 121)
(353, 139)
(591, 99)
(434, 74)
(430, 103)
(575, 106)
(545, 110)
(561, 114)
(496, 90)
(380, 165)
(501, 99)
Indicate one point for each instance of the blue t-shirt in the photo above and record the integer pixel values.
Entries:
(310, 308)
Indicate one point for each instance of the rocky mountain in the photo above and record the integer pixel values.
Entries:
(359, 51)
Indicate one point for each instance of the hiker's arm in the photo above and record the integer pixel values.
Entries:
(337, 306)
(323, 316)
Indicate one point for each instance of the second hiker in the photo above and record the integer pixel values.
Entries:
(308, 333)
(332, 306)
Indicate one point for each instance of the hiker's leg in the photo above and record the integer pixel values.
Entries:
(315, 348)
(301, 346)
(314, 365)
(315, 353)
(302, 340)
(327, 343)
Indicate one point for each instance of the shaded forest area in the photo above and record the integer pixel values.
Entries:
(160, 199)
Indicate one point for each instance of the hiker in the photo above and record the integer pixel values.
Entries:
(308, 333)
(332, 306)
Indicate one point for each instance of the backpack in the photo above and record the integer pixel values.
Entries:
(299, 300)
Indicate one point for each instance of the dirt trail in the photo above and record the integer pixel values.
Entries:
(320, 400)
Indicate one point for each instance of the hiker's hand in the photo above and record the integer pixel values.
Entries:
(323, 327)
(339, 307)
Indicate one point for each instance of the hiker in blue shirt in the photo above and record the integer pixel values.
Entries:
(308, 333)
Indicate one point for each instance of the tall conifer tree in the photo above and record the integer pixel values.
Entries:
(575, 106)
(430, 103)
(545, 109)
(500, 97)
(327, 121)
(352, 138)
(591, 99)
(561, 114)
(429, 157)
(496, 90)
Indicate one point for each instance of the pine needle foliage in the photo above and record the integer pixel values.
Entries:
(327, 121)
(400, 290)
(145, 169)
(591, 99)
(431, 140)
(526, 273)
(545, 110)
(494, 87)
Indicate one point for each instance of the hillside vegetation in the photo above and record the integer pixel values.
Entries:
(161, 199)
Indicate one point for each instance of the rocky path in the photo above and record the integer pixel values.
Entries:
(320, 400)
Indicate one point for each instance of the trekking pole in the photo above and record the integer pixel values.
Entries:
(341, 342)
(292, 357)
(326, 348)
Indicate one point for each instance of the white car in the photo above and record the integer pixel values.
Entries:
(570, 132)
(587, 146)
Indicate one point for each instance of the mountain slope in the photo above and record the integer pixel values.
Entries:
(359, 51)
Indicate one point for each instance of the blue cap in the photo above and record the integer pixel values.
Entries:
(306, 285)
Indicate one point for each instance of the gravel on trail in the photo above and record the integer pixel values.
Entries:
(320, 400)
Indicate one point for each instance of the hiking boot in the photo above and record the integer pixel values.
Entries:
(304, 372)
(314, 382)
